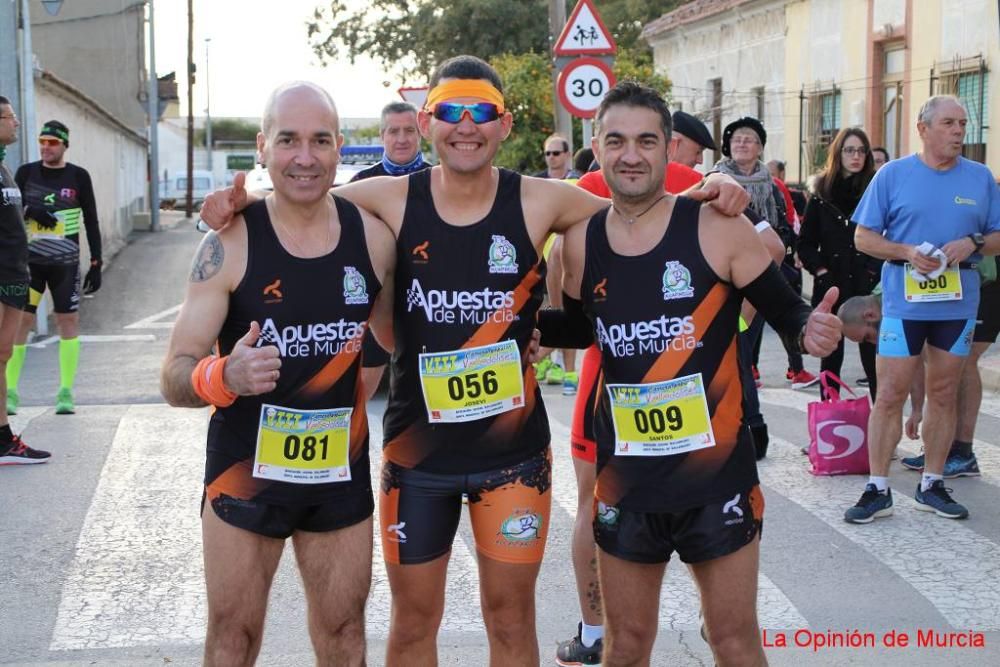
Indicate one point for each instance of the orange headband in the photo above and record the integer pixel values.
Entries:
(464, 88)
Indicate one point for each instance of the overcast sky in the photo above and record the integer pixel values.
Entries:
(255, 45)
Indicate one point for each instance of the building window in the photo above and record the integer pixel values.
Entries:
(893, 66)
(824, 122)
(972, 87)
(969, 83)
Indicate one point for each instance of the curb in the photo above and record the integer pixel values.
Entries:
(989, 371)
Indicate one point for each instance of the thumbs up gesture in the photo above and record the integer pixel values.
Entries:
(823, 328)
(220, 206)
(251, 370)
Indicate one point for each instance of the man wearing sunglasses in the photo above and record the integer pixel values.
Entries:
(57, 194)
(464, 413)
(557, 159)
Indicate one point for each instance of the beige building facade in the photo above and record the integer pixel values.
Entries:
(816, 66)
(113, 153)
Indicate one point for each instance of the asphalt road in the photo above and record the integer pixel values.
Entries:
(101, 546)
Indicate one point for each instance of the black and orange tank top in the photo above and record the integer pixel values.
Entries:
(666, 316)
(462, 396)
(315, 311)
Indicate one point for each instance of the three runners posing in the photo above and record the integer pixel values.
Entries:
(468, 239)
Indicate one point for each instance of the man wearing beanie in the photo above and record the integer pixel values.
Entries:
(57, 195)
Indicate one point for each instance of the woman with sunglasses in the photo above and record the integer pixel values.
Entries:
(826, 241)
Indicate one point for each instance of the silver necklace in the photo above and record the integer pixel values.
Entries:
(631, 221)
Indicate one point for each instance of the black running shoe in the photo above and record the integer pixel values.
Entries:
(572, 653)
(17, 453)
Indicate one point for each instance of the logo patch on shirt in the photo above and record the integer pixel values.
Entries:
(503, 255)
(676, 282)
(964, 201)
(601, 290)
(355, 287)
(274, 292)
(420, 253)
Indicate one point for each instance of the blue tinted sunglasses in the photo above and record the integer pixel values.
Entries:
(481, 112)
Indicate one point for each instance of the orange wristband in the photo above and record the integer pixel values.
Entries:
(206, 379)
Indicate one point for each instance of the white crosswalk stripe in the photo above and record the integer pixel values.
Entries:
(967, 596)
(136, 576)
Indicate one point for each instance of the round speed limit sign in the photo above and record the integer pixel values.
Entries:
(583, 84)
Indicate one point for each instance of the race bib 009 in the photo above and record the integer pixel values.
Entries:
(661, 418)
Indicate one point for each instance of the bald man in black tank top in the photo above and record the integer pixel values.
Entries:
(661, 279)
(288, 441)
(464, 410)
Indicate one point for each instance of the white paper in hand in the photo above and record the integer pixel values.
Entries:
(928, 249)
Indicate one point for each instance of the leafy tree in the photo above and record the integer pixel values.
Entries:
(418, 34)
(528, 94)
(229, 129)
(527, 80)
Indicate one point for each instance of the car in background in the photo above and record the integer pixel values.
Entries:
(354, 158)
(173, 188)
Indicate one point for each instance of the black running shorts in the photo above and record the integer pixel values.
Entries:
(697, 535)
(62, 280)
(14, 294)
(988, 318)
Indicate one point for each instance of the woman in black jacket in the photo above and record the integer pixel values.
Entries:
(826, 240)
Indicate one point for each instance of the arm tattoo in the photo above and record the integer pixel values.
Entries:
(208, 260)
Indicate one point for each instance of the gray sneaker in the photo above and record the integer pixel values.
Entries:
(936, 499)
(872, 505)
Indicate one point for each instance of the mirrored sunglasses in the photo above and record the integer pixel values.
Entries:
(481, 112)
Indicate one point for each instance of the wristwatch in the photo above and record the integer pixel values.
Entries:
(978, 240)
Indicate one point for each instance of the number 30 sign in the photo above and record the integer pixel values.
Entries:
(583, 83)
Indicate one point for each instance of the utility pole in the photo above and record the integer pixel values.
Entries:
(9, 69)
(563, 121)
(153, 109)
(189, 204)
(29, 147)
(208, 107)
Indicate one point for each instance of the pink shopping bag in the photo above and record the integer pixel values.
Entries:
(838, 431)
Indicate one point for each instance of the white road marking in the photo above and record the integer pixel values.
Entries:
(153, 321)
(101, 338)
(25, 415)
(136, 576)
(967, 596)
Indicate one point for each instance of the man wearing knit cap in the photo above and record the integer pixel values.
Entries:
(689, 140)
(57, 194)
